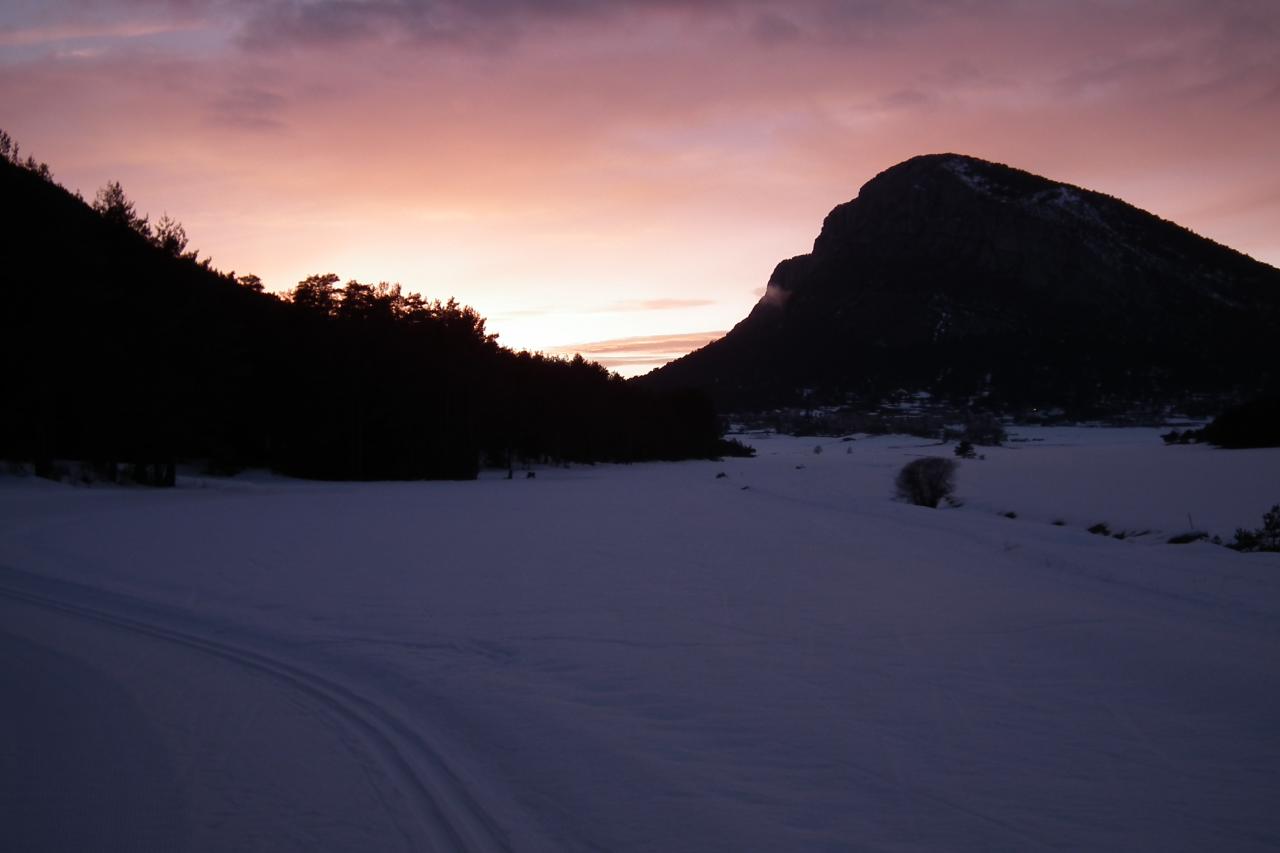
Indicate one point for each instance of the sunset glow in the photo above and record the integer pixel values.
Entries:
(619, 178)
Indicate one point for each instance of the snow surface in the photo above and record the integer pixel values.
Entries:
(651, 657)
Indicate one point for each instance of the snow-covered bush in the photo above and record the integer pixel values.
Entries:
(925, 482)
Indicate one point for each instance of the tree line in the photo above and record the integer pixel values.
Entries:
(122, 347)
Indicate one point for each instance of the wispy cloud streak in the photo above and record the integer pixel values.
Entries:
(55, 33)
(639, 353)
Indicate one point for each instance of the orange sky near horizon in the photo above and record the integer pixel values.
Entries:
(620, 177)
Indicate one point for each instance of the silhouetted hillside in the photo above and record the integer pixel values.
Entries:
(974, 280)
(118, 350)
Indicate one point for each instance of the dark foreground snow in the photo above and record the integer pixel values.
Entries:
(650, 658)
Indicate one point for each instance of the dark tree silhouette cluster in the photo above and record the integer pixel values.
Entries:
(11, 153)
(1252, 424)
(120, 348)
(115, 207)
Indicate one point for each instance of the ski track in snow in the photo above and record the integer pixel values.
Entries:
(444, 815)
(657, 658)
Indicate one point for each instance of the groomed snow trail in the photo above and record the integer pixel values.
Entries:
(438, 812)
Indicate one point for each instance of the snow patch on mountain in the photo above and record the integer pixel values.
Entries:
(966, 172)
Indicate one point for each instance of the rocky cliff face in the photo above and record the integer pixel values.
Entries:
(967, 278)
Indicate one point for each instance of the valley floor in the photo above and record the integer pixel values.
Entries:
(651, 657)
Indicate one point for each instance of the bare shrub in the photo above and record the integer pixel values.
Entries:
(925, 482)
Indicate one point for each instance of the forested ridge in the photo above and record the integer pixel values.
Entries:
(121, 346)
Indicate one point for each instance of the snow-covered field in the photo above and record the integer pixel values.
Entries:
(651, 657)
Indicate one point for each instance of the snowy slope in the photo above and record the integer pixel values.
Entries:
(655, 658)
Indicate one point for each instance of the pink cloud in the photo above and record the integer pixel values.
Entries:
(641, 353)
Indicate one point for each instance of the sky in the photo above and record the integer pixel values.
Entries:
(620, 177)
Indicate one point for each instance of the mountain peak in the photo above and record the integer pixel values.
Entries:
(951, 171)
(961, 276)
